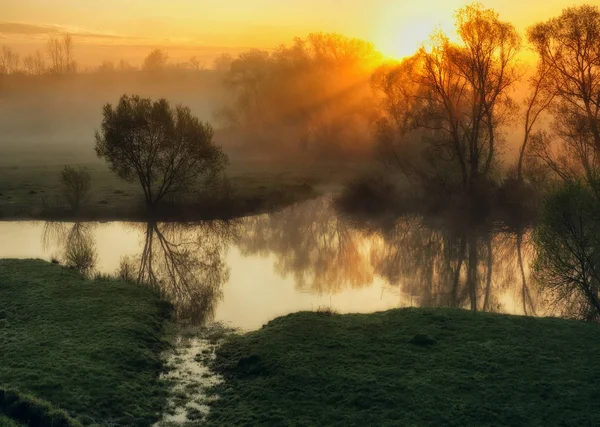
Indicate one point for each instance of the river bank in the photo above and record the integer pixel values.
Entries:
(90, 348)
(409, 367)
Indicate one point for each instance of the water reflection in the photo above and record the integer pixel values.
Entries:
(250, 270)
(426, 264)
(76, 241)
(186, 264)
(461, 267)
(312, 244)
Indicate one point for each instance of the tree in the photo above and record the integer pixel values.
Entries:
(538, 101)
(569, 49)
(468, 87)
(60, 52)
(9, 61)
(568, 247)
(155, 61)
(76, 184)
(312, 95)
(34, 64)
(166, 149)
(448, 103)
(80, 250)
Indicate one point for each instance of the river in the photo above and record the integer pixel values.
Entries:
(245, 272)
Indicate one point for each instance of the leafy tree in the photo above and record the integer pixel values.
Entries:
(166, 149)
(315, 92)
(76, 184)
(568, 247)
(155, 61)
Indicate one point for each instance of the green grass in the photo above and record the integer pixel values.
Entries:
(410, 367)
(88, 347)
(7, 422)
(30, 187)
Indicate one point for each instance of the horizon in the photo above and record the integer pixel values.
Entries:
(184, 28)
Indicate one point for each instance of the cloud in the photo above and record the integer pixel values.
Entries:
(28, 29)
(23, 29)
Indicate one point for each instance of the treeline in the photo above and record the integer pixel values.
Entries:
(58, 58)
(443, 118)
(313, 96)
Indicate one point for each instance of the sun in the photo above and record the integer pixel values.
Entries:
(401, 32)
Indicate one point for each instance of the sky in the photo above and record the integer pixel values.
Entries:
(128, 29)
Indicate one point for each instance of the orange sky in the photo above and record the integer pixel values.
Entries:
(110, 29)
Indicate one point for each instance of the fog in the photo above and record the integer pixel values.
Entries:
(62, 112)
(312, 98)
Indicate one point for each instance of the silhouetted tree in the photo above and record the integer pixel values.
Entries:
(310, 97)
(166, 149)
(35, 63)
(155, 61)
(9, 61)
(568, 248)
(537, 101)
(76, 184)
(457, 95)
(569, 50)
(60, 52)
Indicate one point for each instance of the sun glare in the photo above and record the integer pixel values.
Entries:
(401, 31)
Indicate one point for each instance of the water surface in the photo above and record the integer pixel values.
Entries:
(247, 271)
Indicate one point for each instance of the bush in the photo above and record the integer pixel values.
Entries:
(76, 184)
(371, 193)
(32, 411)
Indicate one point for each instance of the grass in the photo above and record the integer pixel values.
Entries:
(412, 367)
(87, 347)
(7, 422)
(30, 187)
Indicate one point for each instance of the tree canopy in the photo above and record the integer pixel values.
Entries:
(166, 149)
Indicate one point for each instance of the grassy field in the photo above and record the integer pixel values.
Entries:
(7, 422)
(410, 367)
(88, 347)
(30, 186)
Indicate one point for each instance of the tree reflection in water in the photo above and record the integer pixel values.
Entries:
(325, 253)
(76, 244)
(185, 263)
(427, 264)
(313, 245)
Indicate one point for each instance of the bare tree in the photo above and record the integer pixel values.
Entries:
(166, 149)
(9, 61)
(54, 49)
(76, 184)
(29, 64)
(80, 249)
(469, 83)
(60, 53)
(195, 63)
(569, 49)
(538, 101)
(455, 98)
(222, 63)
